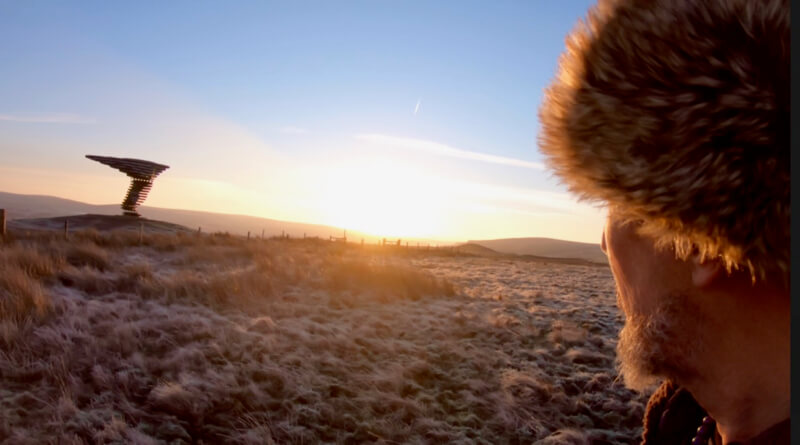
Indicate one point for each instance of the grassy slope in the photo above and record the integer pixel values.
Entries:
(212, 339)
(546, 247)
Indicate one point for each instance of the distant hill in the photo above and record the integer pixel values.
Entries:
(40, 206)
(546, 247)
(477, 249)
(29, 207)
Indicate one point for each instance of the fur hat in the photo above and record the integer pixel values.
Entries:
(676, 113)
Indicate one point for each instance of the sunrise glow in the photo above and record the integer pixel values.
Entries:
(355, 124)
(381, 196)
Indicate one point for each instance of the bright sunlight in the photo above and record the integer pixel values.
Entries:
(381, 196)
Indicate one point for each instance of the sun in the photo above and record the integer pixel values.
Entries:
(380, 196)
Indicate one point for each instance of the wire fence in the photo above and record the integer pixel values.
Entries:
(382, 242)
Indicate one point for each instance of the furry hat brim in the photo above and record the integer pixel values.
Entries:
(676, 112)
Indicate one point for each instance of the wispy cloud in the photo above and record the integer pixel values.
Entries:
(47, 118)
(507, 198)
(293, 130)
(416, 109)
(445, 150)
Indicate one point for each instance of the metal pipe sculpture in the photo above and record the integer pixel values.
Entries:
(142, 174)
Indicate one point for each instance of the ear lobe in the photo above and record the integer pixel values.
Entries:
(704, 271)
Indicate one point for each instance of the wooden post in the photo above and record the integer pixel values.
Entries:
(384, 242)
(248, 235)
(304, 235)
(362, 242)
(262, 233)
(141, 232)
(66, 228)
(3, 222)
(198, 229)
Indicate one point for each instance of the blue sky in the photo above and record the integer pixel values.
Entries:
(307, 111)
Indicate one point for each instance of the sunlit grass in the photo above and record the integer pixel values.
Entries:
(187, 338)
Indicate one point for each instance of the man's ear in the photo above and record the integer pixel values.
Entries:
(704, 270)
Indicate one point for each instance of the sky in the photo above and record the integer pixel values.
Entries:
(410, 119)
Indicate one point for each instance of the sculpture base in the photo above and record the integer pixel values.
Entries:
(127, 213)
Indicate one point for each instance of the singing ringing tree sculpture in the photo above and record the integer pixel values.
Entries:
(142, 174)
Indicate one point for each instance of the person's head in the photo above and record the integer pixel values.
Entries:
(675, 114)
(683, 313)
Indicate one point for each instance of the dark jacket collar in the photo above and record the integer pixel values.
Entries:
(672, 417)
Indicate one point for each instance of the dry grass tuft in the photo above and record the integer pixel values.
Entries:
(386, 280)
(22, 297)
(89, 254)
(31, 259)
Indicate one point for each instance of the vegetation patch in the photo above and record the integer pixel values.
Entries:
(187, 338)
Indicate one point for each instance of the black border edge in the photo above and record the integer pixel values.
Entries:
(795, 245)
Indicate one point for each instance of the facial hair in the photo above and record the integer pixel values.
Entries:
(666, 343)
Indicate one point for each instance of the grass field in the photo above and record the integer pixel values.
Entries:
(207, 339)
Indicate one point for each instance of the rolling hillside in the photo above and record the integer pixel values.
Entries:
(546, 247)
(25, 207)
(39, 206)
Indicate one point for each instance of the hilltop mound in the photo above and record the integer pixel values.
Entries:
(101, 223)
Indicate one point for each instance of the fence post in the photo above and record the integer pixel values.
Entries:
(141, 232)
(3, 222)
(66, 228)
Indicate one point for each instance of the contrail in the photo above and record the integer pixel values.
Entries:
(419, 101)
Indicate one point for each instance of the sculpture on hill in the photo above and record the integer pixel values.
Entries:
(142, 174)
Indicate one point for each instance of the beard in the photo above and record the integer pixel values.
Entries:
(665, 344)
